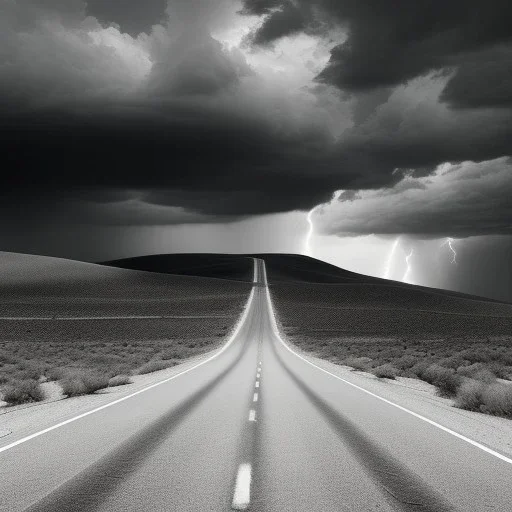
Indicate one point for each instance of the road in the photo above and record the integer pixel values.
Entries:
(254, 427)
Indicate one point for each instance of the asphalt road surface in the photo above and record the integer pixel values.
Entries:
(254, 427)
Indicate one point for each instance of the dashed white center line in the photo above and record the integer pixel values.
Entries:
(257, 385)
(255, 397)
(242, 496)
(252, 415)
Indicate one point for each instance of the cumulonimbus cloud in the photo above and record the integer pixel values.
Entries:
(458, 201)
(191, 117)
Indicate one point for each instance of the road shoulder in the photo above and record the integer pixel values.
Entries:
(422, 398)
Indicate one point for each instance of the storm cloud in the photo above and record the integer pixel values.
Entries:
(207, 110)
(455, 201)
(389, 43)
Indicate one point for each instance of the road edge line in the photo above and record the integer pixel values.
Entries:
(416, 415)
(234, 334)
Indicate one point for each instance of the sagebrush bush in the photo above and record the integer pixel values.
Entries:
(477, 371)
(22, 391)
(171, 354)
(456, 361)
(358, 363)
(484, 375)
(154, 366)
(419, 368)
(386, 371)
(405, 362)
(469, 395)
(497, 399)
(119, 380)
(56, 373)
(445, 379)
(83, 383)
(501, 371)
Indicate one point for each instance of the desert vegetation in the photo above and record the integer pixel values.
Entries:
(476, 373)
(460, 344)
(158, 321)
(86, 367)
(21, 391)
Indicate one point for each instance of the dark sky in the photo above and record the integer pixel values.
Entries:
(127, 113)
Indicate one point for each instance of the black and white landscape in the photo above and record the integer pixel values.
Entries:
(255, 254)
(264, 381)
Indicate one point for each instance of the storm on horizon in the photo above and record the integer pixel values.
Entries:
(223, 126)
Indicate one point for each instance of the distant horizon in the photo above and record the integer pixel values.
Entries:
(373, 138)
(102, 262)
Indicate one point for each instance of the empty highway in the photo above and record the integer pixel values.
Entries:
(255, 426)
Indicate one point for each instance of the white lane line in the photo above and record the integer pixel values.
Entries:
(110, 404)
(255, 397)
(252, 415)
(242, 495)
(257, 385)
(416, 415)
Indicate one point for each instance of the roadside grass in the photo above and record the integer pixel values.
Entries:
(83, 367)
(119, 380)
(488, 397)
(475, 372)
(154, 366)
(186, 316)
(83, 383)
(386, 371)
(22, 391)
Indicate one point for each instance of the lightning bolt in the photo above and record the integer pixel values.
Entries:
(309, 235)
(450, 241)
(389, 262)
(405, 279)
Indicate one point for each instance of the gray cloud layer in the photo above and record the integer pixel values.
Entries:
(389, 43)
(457, 201)
(93, 110)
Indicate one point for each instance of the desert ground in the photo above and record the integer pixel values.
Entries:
(261, 419)
(460, 343)
(84, 325)
(143, 314)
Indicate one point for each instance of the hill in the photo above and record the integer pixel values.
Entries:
(219, 266)
(373, 323)
(58, 314)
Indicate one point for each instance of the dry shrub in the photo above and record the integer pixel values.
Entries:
(358, 363)
(469, 395)
(83, 383)
(57, 373)
(154, 366)
(494, 398)
(497, 399)
(119, 380)
(172, 354)
(22, 391)
(405, 362)
(31, 370)
(485, 375)
(477, 371)
(386, 371)
(445, 379)
(501, 371)
(419, 368)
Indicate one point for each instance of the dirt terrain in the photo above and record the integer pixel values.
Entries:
(59, 317)
(460, 343)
